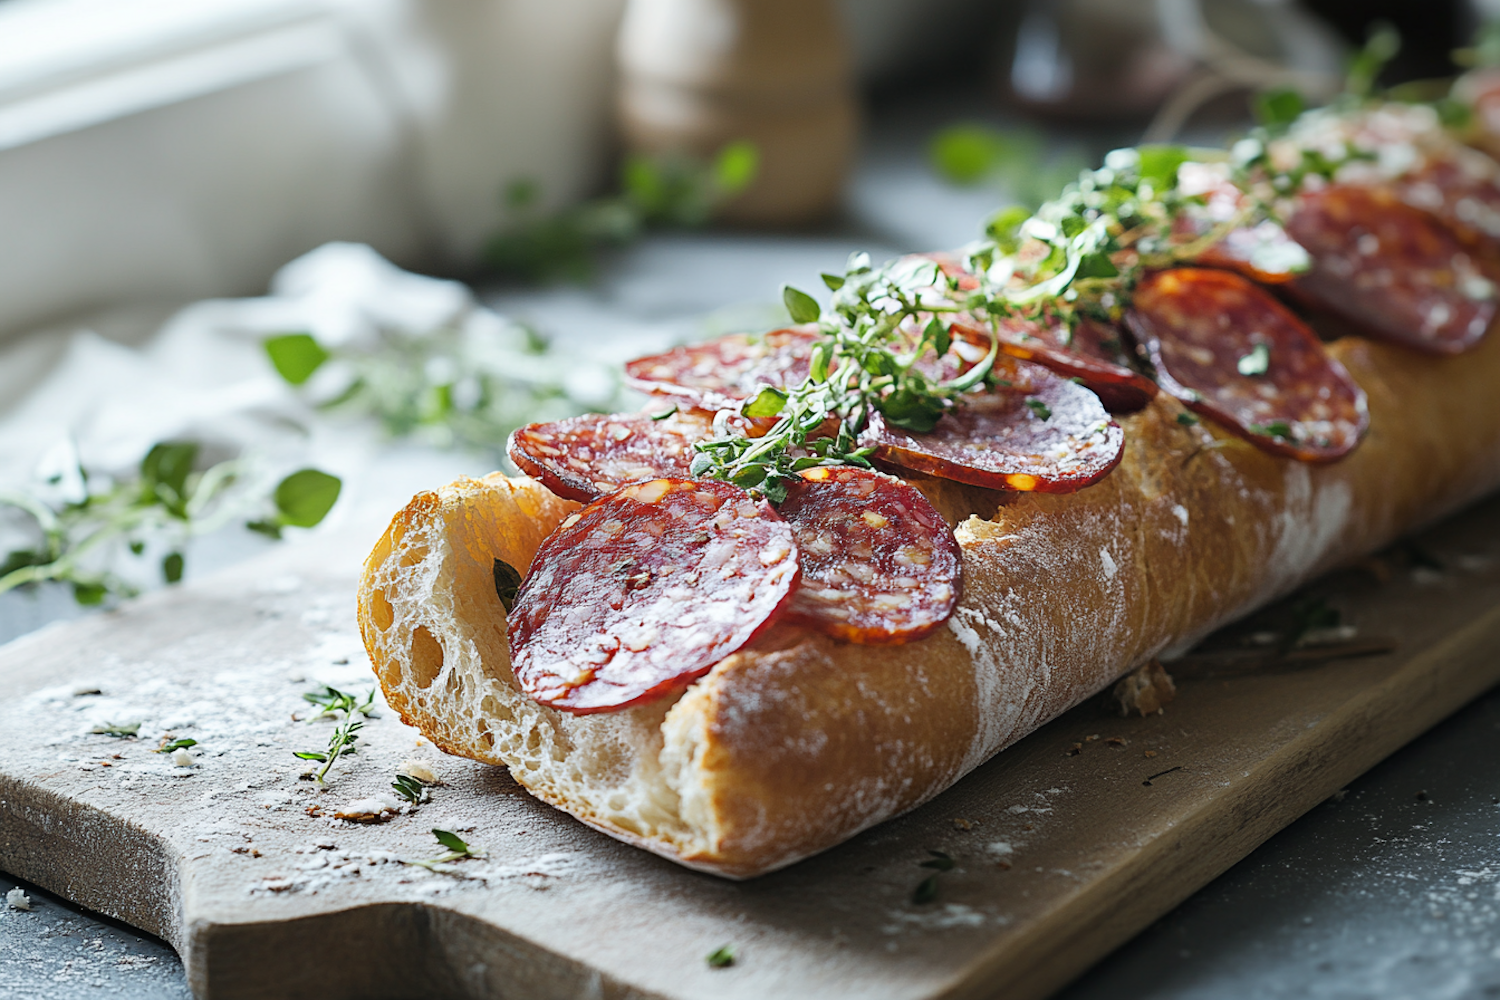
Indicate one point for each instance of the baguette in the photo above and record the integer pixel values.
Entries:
(798, 742)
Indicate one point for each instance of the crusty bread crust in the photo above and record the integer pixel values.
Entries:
(800, 742)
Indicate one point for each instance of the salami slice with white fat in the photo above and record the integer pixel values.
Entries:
(1230, 351)
(879, 564)
(1396, 271)
(1034, 431)
(1091, 352)
(637, 594)
(719, 374)
(585, 458)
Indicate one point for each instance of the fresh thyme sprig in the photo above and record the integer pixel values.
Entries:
(873, 340)
(467, 386)
(333, 701)
(456, 850)
(166, 500)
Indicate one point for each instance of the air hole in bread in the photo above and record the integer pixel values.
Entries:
(426, 657)
(486, 737)
(380, 609)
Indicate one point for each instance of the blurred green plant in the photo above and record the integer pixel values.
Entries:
(166, 502)
(1016, 161)
(654, 192)
(465, 386)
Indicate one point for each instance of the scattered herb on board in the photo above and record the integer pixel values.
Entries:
(168, 747)
(927, 889)
(455, 849)
(464, 386)
(332, 702)
(410, 789)
(130, 729)
(342, 742)
(721, 957)
(86, 522)
(674, 191)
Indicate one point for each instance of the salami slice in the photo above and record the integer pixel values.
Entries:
(1036, 431)
(719, 374)
(1395, 271)
(1232, 352)
(585, 458)
(1263, 253)
(879, 564)
(637, 594)
(1091, 353)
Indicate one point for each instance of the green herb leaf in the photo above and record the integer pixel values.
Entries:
(1257, 362)
(927, 890)
(1004, 225)
(175, 745)
(1096, 265)
(736, 166)
(305, 497)
(721, 957)
(968, 154)
(911, 410)
(664, 414)
(1279, 108)
(310, 754)
(450, 840)
(522, 193)
(833, 281)
(1381, 45)
(270, 529)
(802, 307)
(89, 593)
(410, 789)
(1277, 429)
(171, 567)
(507, 583)
(1041, 409)
(164, 473)
(1186, 419)
(1158, 165)
(295, 356)
(939, 860)
(767, 403)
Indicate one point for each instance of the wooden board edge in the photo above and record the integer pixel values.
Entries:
(1056, 950)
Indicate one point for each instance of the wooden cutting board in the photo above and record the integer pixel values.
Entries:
(1064, 846)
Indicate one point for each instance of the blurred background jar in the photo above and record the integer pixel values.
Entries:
(696, 75)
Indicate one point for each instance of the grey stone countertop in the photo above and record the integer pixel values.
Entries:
(1391, 890)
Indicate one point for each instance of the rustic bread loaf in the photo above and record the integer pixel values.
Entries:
(799, 741)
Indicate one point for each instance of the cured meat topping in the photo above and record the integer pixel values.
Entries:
(1091, 353)
(1394, 270)
(637, 594)
(879, 564)
(720, 373)
(1036, 431)
(1232, 352)
(585, 458)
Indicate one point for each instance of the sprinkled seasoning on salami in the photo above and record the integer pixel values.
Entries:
(584, 458)
(637, 594)
(1091, 353)
(1036, 431)
(1232, 352)
(879, 564)
(720, 373)
(1394, 270)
